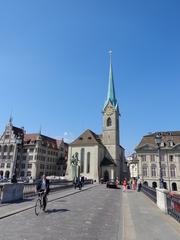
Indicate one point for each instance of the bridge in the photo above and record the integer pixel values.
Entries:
(94, 213)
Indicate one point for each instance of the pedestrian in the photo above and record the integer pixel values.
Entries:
(134, 183)
(124, 184)
(117, 182)
(139, 184)
(14, 179)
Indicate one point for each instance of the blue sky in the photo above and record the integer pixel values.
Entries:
(54, 65)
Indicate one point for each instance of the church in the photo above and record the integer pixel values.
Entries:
(100, 155)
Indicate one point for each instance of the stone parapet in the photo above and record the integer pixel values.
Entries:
(162, 199)
(11, 192)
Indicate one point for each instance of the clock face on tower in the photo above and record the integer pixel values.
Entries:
(109, 110)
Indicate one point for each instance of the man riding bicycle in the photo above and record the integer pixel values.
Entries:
(43, 188)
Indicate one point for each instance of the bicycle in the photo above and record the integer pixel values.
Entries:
(40, 206)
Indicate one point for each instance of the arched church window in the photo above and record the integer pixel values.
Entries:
(88, 163)
(109, 122)
(82, 161)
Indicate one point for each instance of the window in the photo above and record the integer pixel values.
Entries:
(143, 158)
(88, 163)
(24, 150)
(144, 171)
(173, 170)
(29, 173)
(163, 169)
(171, 157)
(8, 165)
(2, 165)
(41, 166)
(152, 158)
(5, 148)
(153, 170)
(82, 161)
(11, 148)
(31, 150)
(109, 122)
(22, 165)
(31, 157)
(24, 158)
(29, 165)
(22, 174)
(162, 157)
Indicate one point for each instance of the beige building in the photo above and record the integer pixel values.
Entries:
(31, 155)
(132, 162)
(100, 155)
(149, 164)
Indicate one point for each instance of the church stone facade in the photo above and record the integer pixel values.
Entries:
(100, 155)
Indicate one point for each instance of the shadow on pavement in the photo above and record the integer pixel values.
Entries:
(54, 210)
(60, 201)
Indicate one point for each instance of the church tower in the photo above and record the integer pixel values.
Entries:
(111, 118)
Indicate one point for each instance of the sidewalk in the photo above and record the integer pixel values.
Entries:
(143, 220)
(7, 210)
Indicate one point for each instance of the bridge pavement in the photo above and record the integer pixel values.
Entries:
(94, 214)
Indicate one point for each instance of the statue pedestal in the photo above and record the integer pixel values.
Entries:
(11, 192)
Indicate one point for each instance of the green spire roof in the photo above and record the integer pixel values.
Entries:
(111, 91)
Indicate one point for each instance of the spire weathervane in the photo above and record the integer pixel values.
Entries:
(110, 54)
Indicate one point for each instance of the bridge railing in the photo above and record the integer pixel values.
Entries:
(30, 188)
(173, 205)
(150, 192)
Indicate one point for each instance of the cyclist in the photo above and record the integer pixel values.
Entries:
(43, 187)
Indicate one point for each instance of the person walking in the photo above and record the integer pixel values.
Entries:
(124, 185)
(139, 184)
(134, 183)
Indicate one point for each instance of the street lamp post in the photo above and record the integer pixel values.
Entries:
(158, 140)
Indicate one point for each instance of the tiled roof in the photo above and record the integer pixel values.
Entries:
(31, 138)
(87, 138)
(173, 136)
(18, 131)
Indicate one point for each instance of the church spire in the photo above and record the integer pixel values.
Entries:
(10, 119)
(111, 91)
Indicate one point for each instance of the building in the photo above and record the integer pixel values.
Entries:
(147, 154)
(100, 155)
(31, 155)
(132, 162)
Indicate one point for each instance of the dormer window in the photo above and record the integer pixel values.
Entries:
(109, 122)
(162, 144)
(80, 138)
(170, 143)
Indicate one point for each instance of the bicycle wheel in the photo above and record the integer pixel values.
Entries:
(38, 207)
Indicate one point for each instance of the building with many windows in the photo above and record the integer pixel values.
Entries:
(100, 155)
(149, 162)
(31, 155)
(132, 162)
